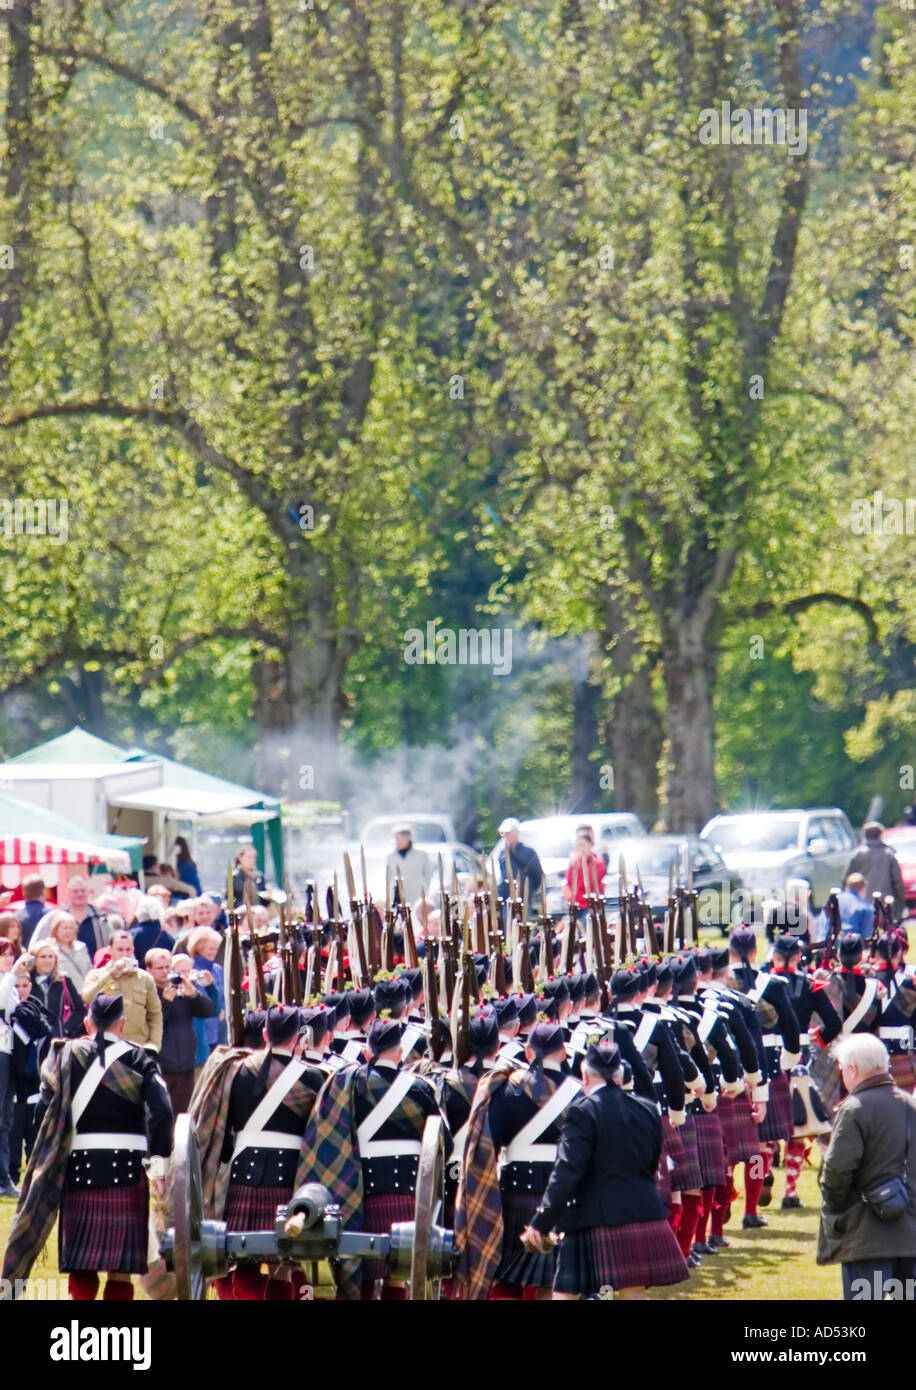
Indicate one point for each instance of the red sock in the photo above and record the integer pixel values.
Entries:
(674, 1215)
(690, 1211)
(505, 1293)
(703, 1215)
(118, 1291)
(769, 1152)
(395, 1293)
(795, 1158)
(721, 1209)
(225, 1288)
(83, 1285)
(752, 1188)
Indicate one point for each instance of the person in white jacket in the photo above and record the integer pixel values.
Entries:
(413, 864)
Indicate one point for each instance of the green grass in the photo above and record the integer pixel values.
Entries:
(775, 1263)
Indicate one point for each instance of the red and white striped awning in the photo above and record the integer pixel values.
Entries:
(49, 849)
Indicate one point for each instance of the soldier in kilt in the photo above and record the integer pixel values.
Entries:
(363, 1142)
(601, 1193)
(896, 1032)
(674, 1115)
(270, 1098)
(809, 999)
(708, 1024)
(90, 1159)
(739, 1114)
(781, 1045)
(514, 1128)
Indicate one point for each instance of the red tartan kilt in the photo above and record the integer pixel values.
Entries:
(105, 1229)
(738, 1128)
(686, 1173)
(640, 1255)
(778, 1122)
(250, 1208)
(379, 1215)
(903, 1070)
(711, 1149)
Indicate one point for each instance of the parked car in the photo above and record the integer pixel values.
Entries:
(770, 848)
(902, 840)
(717, 887)
(552, 838)
(429, 827)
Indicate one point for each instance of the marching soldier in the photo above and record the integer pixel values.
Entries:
(89, 1158)
(708, 1026)
(510, 1148)
(740, 1114)
(363, 1142)
(809, 998)
(511, 1049)
(459, 1086)
(354, 1016)
(770, 995)
(270, 1099)
(601, 1193)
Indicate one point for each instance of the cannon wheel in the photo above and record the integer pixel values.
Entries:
(188, 1211)
(427, 1207)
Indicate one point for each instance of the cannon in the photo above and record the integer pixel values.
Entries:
(307, 1228)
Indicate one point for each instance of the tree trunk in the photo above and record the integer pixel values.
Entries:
(298, 707)
(634, 727)
(690, 660)
(585, 740)
(635, 739)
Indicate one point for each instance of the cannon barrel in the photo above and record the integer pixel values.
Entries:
(310, 1201)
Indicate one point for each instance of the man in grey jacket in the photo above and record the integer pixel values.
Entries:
(874, 1139)
(878, 862)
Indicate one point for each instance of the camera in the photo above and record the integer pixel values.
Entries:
(198, 977)
(174, 979)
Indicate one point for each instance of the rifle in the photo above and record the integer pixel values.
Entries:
(313, 965)
(356, 913)
(254, 953)
(670, 910)
(834, 917)
(431, 993)
(480, 930)
(461, 1001)
(234, 971)
(572, 933)
(339, 942)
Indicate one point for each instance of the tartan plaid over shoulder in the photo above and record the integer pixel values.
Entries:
(478, 1209)
(330, 1154)
(39, 1200)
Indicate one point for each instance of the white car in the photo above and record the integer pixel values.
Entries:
(552, 839)
(429, 828)
(780, 851)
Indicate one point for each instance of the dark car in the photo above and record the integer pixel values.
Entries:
(718, 888)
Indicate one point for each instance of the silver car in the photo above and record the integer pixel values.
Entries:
(785, 852)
